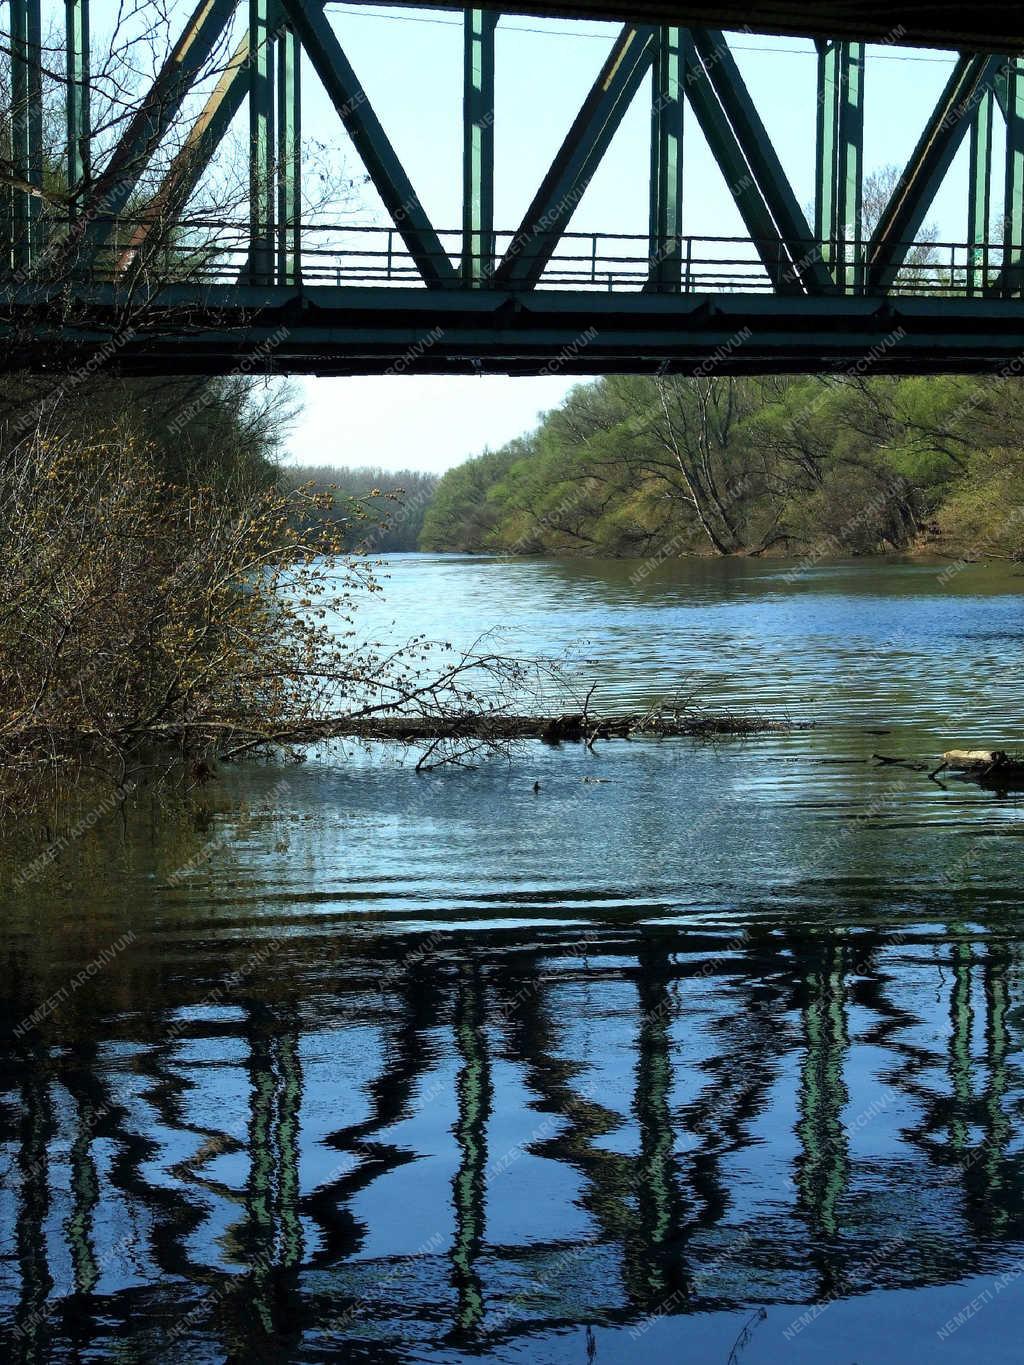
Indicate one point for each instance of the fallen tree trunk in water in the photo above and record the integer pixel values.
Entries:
(572, 728)
(983, 761)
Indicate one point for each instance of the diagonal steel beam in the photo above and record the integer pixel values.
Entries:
(903, 216)
(371, 142)
(716, 74)
(195, 154)
(578, 158)
(117, 182)
(746, 193)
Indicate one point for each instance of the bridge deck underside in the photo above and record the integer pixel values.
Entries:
(986, 26)
(350, 331)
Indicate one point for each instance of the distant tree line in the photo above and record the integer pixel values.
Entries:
(632, 466)
(395, 503)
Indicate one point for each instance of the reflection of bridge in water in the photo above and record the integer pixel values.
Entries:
(685, 1120)
(130, 265)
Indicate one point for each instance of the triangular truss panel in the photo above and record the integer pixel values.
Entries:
(242, 63)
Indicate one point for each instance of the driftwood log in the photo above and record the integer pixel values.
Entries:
(571, 728)
(983, 763)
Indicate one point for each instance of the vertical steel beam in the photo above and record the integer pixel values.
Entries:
(826, 226)
(666, 207)
(26, 126)
(261, 144)
(77, 93)
(839, 182)
(979, 201)
(478, 147)
(850, 166)
(1013, 209)
(289, 158)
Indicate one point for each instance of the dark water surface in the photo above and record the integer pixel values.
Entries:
(715, 1059)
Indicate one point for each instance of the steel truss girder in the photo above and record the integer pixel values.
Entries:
(577, 159)
(904, 215)
(77, 115)
(26, 129)
(364, 330)
(113, 188)
(839, 180)
(478, 147)
(666, 189)
(696, 63)
(371, 142)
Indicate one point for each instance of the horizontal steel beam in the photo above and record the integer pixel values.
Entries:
(987, 26)
(349, 331)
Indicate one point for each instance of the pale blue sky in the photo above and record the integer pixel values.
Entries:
(410, 64)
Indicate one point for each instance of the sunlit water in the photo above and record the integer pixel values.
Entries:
(716, 1058)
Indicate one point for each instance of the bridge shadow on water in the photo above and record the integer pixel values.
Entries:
(547, 1144)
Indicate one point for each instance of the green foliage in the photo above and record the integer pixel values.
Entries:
(463, 515)
(831, 466)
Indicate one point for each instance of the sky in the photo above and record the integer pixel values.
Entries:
(409, 63)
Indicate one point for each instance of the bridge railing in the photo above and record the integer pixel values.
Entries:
(216, 251)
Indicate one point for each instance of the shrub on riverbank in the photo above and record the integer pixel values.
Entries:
(124, 622)
(147, 625)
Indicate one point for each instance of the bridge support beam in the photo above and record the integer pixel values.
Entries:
(745, 156)
(1013, 211)
(979, 202)
(194, 155)
(577, 159)
(666, 209)
(478, 147)
(370, 141)
(77, 93)
(261, 144)
(186, 60)
(26, 128)
(289, 158)
(839, 183)
(904, 214)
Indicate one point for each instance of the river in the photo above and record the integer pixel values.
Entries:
(698, 1051)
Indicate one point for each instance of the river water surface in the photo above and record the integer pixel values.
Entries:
(716, 1058)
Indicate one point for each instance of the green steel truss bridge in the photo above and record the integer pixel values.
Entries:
(111, 273)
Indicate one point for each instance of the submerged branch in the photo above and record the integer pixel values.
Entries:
(552, 729)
